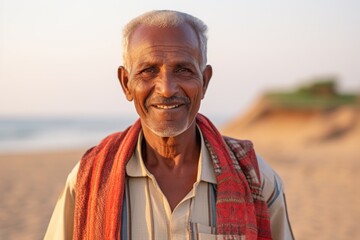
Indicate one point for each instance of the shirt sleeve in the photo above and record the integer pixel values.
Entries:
(273, 191)
(62, 220)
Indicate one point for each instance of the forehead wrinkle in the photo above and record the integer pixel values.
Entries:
(171, 55)
(163, 49)
(165, 54)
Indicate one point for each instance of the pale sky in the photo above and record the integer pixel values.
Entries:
(60, 57)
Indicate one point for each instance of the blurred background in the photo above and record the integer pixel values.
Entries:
(286, 76)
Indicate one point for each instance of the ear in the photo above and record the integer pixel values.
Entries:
(123, 77)
(207, 74)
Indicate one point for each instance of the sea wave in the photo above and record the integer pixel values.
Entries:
(33, 134)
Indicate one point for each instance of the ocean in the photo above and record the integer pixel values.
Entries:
(40, 134)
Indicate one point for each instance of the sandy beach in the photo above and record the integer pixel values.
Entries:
(30, 185)
(318, 156)
(322, 192)
(321, 189)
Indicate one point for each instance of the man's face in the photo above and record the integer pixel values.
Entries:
(165, 80)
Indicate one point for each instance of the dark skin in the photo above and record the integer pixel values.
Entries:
(175, 178)
(166, 83)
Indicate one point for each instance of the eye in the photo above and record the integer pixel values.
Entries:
(149, 70)
(183, 70)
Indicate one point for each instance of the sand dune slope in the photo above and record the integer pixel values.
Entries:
(317, 152)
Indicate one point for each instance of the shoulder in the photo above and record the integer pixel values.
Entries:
(271, 183)
(246, 161)
(274, 195)
(110, 142)
(238, 145)
(71, 178)
(87, 160)
(243, 151)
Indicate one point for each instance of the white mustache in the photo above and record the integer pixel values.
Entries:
(174, 100)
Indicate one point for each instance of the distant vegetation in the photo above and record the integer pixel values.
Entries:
(319, 94)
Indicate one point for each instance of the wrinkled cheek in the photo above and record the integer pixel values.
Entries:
(196, 102)
(140, 108)
(140, 93)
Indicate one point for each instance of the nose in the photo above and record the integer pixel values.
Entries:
(166, 84)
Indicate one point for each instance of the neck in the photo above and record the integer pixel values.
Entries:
(171, 152)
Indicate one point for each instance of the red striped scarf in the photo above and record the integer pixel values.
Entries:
(241, 212)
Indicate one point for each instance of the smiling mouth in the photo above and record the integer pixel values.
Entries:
(170, 103)
(167, 106)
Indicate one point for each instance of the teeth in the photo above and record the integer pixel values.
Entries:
(167, 107)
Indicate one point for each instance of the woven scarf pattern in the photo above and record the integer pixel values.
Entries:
(241, 211)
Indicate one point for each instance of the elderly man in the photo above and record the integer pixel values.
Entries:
(171, 175)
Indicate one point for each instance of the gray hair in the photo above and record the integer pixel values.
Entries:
(166, 18)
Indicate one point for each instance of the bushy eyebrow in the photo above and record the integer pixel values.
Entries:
(146, 64)
(183, 64)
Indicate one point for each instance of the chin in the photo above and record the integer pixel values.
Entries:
(169, 131)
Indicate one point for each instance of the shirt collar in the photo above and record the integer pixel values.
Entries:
(136, 167)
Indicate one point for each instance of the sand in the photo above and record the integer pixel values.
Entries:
(321, 187)
(30, 185)
(323, 194)
(318, 156)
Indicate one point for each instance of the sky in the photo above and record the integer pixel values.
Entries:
(60, 57)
